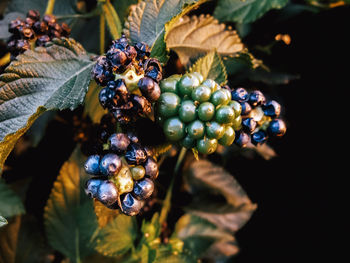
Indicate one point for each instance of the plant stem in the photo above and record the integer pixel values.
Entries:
(167, 201)
(5, 59)
(49, 7)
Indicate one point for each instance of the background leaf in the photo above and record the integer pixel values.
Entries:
(10, 203)
(211, 67)
(245, 11)
(55, 77)
(92, 106)
(117, 237)
(191, 37)
(70, 221)
(3, 221)
(9, 239)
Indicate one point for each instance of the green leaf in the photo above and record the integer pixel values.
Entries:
(3, 221)
(70, 221)
(55, 77)
(245, 11)
(123, 8)
(211, 67)
(10, 203)
(112, 18)
(92, 106)
(148, 19)
(117, 237)
(192, 37)
(9, 239)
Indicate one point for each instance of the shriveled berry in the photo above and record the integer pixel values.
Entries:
(277, 127)
(33, 14)
(249, 125)
(118, 142)
(228, 137)
(138, 172)
(140, 104)
(135, 154)
(130, 205)
(92, 165)
(92, 185)
(107, 193)
(153, 69)
(49, 19)
(110, 164)
(242, 139)
(272, 108)
(142, 50)
(149, 88)
(196, 129)
(101, 72)
(151, 168)
(143, 189)
(187, 111)
(246, 108)
(259, 137)
(240, 95)
(117, 58)
(256, 98)
(174, 129)
(207, 146)
(42, 40)
(124, 181)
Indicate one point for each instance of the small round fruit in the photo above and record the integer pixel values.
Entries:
(237, 123)
(188, 142)
(236, 106)
(92, 165)
(110, 164)
(201, 93)
(168, 104)
(135, 154)
(186, 84)
(138, 172)
(92, 185)
(206, 111)
(249, 125)
(229, 136)
(149, 89)
(130, 205)
(124, 181)
(198, 76)
(224, 114)
(210, 84)
(214, 130)
(151, 168)
(107, 193)
(207, 146)
(174, 129)
(240, 95)
(118, 142)
(196, 129)
(259, 137)
(143, 189)
(246, 108)
(272, 108)
(169, 84)
(242, 139)
(256, 98)
(187, 111)
(219, 97)
(277, 128)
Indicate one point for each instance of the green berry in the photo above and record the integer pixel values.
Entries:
(237, 123)
(186, 84)
(228, 94)
(187, 111)
(188, 142)
(236, 106)
(168, 85)
(219, 97)
(224, 114)
(202, 93)
(210, 84)
(228, 137)
(207, 146)
(124, 181)
(196, 129)
(214, 130)
(198, 76)
(206, 111)
(174, 129)
(138, 172)
(168, 104)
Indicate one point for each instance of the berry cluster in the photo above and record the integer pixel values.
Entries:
(198, 113)
(259, 117)
(123, 176)
(33, 32)
(130, 80)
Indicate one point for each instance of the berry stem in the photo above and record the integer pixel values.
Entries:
(49, 7)
(167, 201)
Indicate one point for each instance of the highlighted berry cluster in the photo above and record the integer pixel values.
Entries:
(123, 176)
(198, 113)
(33, 31)
(130, 80)
(260, 117)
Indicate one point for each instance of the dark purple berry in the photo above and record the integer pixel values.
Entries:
(118, 142)
(151, 168)
(272, 108)
(101, 72)
(140, 104)
(258, 137)
(142, 50)
(246, 108)
(116, 57)
(28, 32)
(120, 89)
(277, 128)
(153, 69)
(143, 188)
(65, 30)
(256, 98)
(135, 154)
(130, 205)
(33, 14)
(22, 45)
(130, 52)
(107, 193)
(149, 88)
(105, 97)
(92, 165)
(16, 26)
(242, 139)
(240, 95)
(92, 186)
(49, 19)
(249, 125)
(40, 27)
(121, 43)
(110, 164)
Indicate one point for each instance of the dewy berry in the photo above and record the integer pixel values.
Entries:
(33, 32)
(130, 79)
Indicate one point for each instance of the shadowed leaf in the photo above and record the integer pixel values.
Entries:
(10, 203)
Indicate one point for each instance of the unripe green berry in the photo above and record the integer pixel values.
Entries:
(228, 136)
(224, 114)
(124, 181)
(188, 142)
(168, 104)
(187, 111)
(236, 106)
(186, 84)
(219, 97)
(211, 84)
(138, 172)
(169, 84)
(237, 123)
(206, 111)
(198, 76)
(174, 129)
(201, 93)
(207, 146)
(214, 130)
(196, 129)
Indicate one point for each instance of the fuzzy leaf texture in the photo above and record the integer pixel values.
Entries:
(192, 37)
(70, 220)
(10, 203)
(246, 11)
(56, 77)
(211, 67)
(147, 21)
